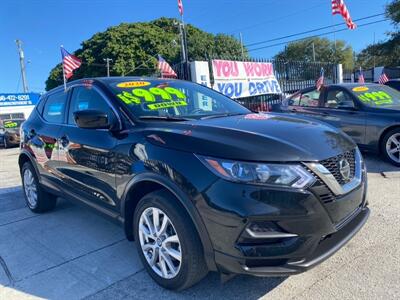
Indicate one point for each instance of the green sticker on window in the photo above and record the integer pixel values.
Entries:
(378, 97)
(166, 104)
(10, 124)
(143, 95)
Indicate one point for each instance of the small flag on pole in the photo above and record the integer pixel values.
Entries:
(70, 63)
(340, 8)
(361, 78)
(165, 68)
(383, 78)
(321, 79)
(180, 7)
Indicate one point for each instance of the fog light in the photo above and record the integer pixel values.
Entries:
(267, 230)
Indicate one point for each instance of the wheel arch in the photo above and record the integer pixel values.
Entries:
(24, 157)
(384, 132)
(145, 183)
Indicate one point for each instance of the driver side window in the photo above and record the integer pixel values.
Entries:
(86, 98)
(338, 99)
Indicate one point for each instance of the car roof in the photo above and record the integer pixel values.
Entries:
(109, 79)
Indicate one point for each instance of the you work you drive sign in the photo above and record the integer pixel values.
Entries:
(237, 79)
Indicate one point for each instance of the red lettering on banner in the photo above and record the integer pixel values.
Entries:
(226, 68)
(258, 69)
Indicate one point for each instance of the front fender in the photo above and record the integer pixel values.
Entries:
(184, 200)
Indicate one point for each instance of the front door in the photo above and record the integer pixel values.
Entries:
(340, 110)
(87, 157)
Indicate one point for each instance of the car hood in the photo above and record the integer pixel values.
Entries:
(252, 137)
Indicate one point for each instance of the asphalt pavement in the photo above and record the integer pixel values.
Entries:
(73, 253)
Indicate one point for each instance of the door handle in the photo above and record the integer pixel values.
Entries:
(64, 141)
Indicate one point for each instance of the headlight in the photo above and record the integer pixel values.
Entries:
(283, 175)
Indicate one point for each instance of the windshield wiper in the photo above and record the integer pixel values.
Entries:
(163, 118)
(222, 115)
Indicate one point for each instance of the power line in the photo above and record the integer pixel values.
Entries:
(310, 31)
(274, 20)
(317, 35)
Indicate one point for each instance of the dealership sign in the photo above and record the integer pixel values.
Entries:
(19, 99)
(238, 79)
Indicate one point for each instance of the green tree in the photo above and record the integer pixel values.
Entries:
(325, 51)
(385, 53)
(134, 47)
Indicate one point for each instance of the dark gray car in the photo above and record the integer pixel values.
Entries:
(368, 113)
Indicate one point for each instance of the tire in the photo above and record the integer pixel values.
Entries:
(5, 143)
(391, 141)
(192, 267)
(38, 200)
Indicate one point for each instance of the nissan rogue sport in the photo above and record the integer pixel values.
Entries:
(198, 181)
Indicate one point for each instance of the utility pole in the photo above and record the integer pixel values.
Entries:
(22, 63)
(241, 43)
(313, 50)
(107, 60)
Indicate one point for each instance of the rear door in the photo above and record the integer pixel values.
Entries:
(41, 134)
(87, 157)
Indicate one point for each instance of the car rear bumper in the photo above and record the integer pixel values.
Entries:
(290, 266)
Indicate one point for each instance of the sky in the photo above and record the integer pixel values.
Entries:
(44, 25)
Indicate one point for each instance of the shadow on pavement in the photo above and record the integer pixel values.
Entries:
(376, 164)
(141, 286)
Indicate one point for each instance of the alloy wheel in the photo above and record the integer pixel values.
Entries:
(160, 243)
(30, 188)
(393, 147)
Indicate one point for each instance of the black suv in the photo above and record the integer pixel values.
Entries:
(197, 180)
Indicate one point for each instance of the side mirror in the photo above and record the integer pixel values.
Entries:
(92, 119)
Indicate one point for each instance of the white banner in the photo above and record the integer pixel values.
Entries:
(237, 79)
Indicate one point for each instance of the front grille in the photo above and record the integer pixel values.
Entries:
(332, 164)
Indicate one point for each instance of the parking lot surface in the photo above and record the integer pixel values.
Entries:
(72, 253)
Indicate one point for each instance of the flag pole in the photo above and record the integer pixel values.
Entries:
(62, 66)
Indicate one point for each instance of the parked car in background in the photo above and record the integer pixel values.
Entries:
(394, 83)
(199, 188)
(369, 113)
(9, 132)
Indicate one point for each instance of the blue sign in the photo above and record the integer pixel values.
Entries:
(19, 99)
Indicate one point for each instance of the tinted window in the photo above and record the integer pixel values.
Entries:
(54, 107)
(308, 99)
(162, 98)
(338, 99)
(86, 98)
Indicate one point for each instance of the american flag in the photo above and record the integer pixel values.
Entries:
(165, 68)
(70, 63)
(383, 78)
(361, 78)
(340, 8)
(180, 7)
(320, 81)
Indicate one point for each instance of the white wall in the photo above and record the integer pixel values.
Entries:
(26, 110)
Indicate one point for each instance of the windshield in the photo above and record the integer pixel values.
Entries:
(377, 95)
(173, 99)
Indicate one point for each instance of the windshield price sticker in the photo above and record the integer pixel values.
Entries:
(139, 96)
(360, 89)
(168, 104)
(133, 84)
(379, 98)
(10, 124)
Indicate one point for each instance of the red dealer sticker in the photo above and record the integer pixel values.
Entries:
(257, 117)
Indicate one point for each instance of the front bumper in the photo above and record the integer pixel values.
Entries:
(291, 266)
(313, 225)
